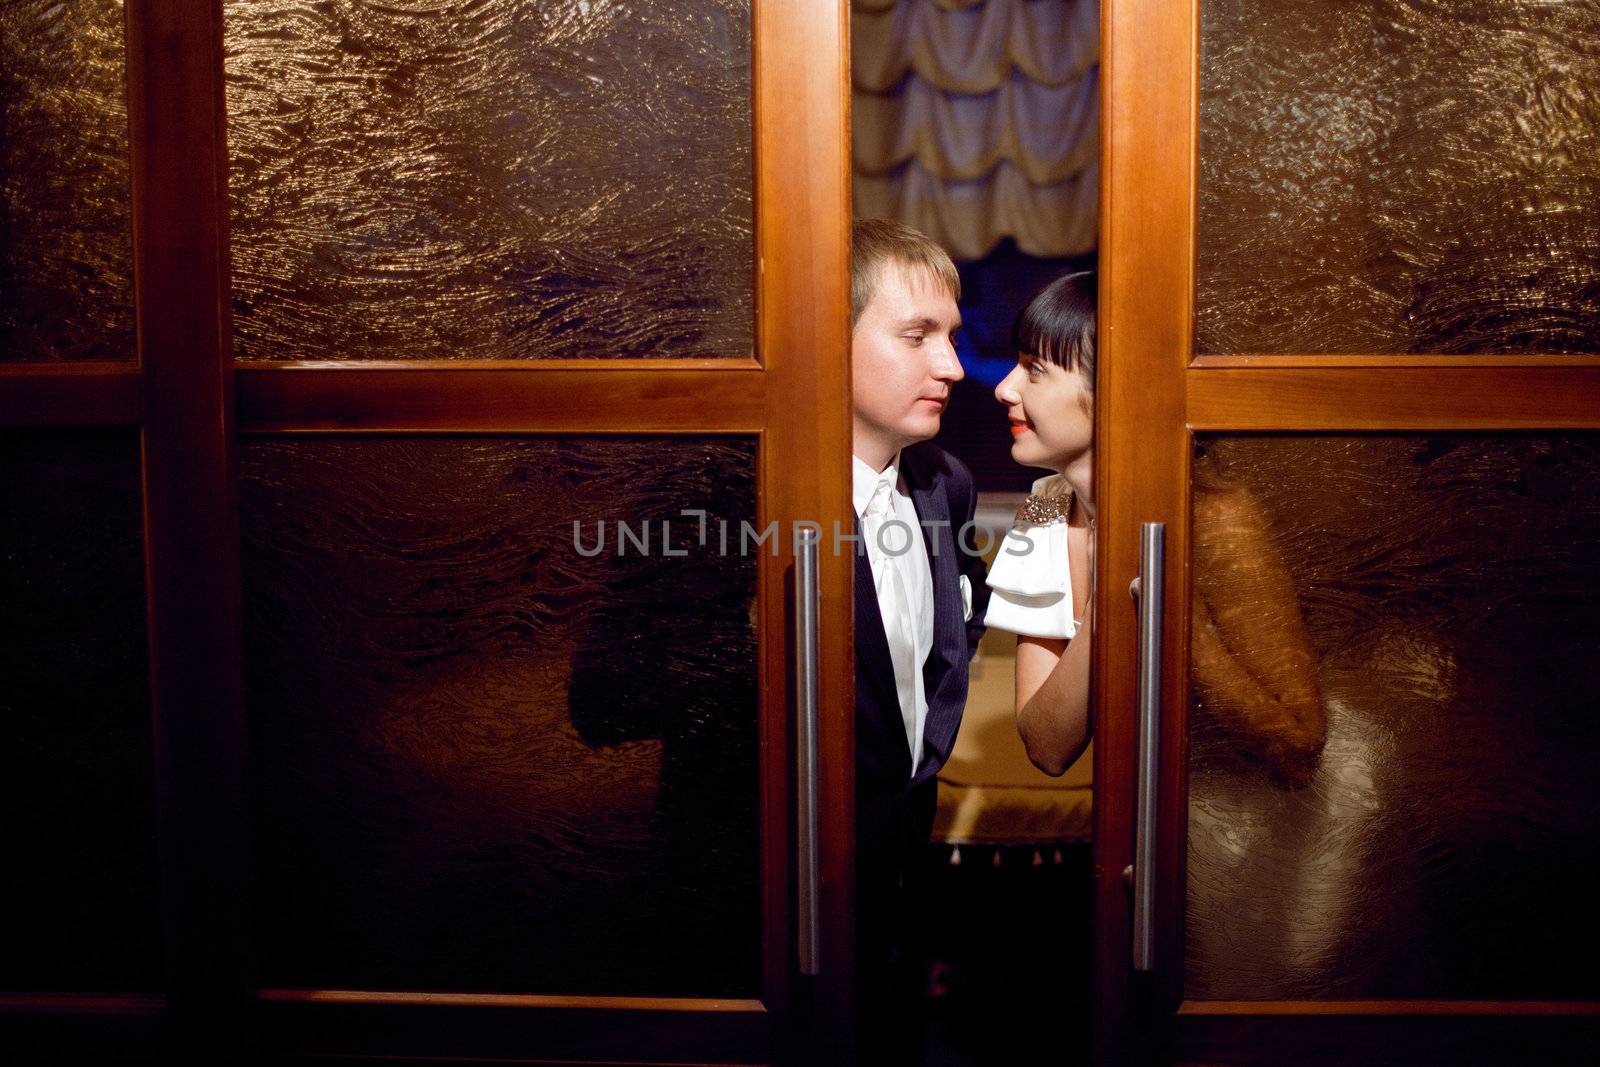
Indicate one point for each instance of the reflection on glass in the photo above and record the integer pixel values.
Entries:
(1250, 655)
(76, 776)
(1439, 843)
(498, 179)
(485, 760)
(1399, 176)
(66, 243)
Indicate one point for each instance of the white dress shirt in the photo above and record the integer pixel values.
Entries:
(909, 556)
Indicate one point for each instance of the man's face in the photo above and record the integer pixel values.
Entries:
(903, 361)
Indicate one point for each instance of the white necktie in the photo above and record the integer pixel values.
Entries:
(894, 603)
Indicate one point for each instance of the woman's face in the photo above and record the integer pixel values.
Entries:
(1051, 424)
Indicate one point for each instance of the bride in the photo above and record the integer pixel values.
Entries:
(1042, 574)
(1272, 822)
(1253, 668)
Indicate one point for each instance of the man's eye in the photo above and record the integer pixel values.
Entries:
(914, 338)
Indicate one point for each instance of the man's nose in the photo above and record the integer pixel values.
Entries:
(947, 364)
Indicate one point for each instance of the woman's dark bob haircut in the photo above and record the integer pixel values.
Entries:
(1058, 324)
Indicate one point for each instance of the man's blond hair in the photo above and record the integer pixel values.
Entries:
(877, 242)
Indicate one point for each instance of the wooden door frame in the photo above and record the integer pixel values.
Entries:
(1154, 393)
(190, 400)
(1146, 218)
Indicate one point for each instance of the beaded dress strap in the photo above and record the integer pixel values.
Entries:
(1042, 510)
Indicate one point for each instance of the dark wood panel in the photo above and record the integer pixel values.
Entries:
(681, 397)
(176, 121)
(69, 394)
(1152, 393)
(179, 168)
(796, 397)
(1546, 396)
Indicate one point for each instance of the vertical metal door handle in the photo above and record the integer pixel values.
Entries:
(806, 611)
(1149, 590)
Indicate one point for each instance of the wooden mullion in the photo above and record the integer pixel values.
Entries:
(70, 394)
(1388, 1007)
(596, 1002)
(524, 398)
(1395, 398)
(180, 210)
(454, 1031)
(91, 1028)
(95, 1004)
(1290, 361)
(1421, 1039)
(536, 366)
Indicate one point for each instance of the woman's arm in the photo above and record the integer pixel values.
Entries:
(1053, 699)
(1053, 676)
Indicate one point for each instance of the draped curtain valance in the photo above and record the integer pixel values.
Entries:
(979, 119)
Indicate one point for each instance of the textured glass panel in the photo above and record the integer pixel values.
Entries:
(1395, 792)
(66, 243)
(76, 781)
(1399, 176)
(490, 178)
(484, 760)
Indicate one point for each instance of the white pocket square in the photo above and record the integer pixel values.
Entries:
(966, 599)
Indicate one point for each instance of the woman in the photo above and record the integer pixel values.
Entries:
(1252, 661)
(1042, 575)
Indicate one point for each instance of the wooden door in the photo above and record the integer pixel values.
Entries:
(404, 461)
(1349, 362)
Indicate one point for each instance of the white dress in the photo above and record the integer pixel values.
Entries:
(1030, 577)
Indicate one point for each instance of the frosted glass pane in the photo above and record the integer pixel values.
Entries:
(1395, 793)
(483, 759)
(76, 774)
(66, 242)
(482, 179)
(1399, 176)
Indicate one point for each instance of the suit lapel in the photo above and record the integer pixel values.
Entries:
(872, 654)
(949, 628)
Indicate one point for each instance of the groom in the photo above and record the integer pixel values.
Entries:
(919, 603)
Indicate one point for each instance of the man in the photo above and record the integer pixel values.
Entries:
(919, 602)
